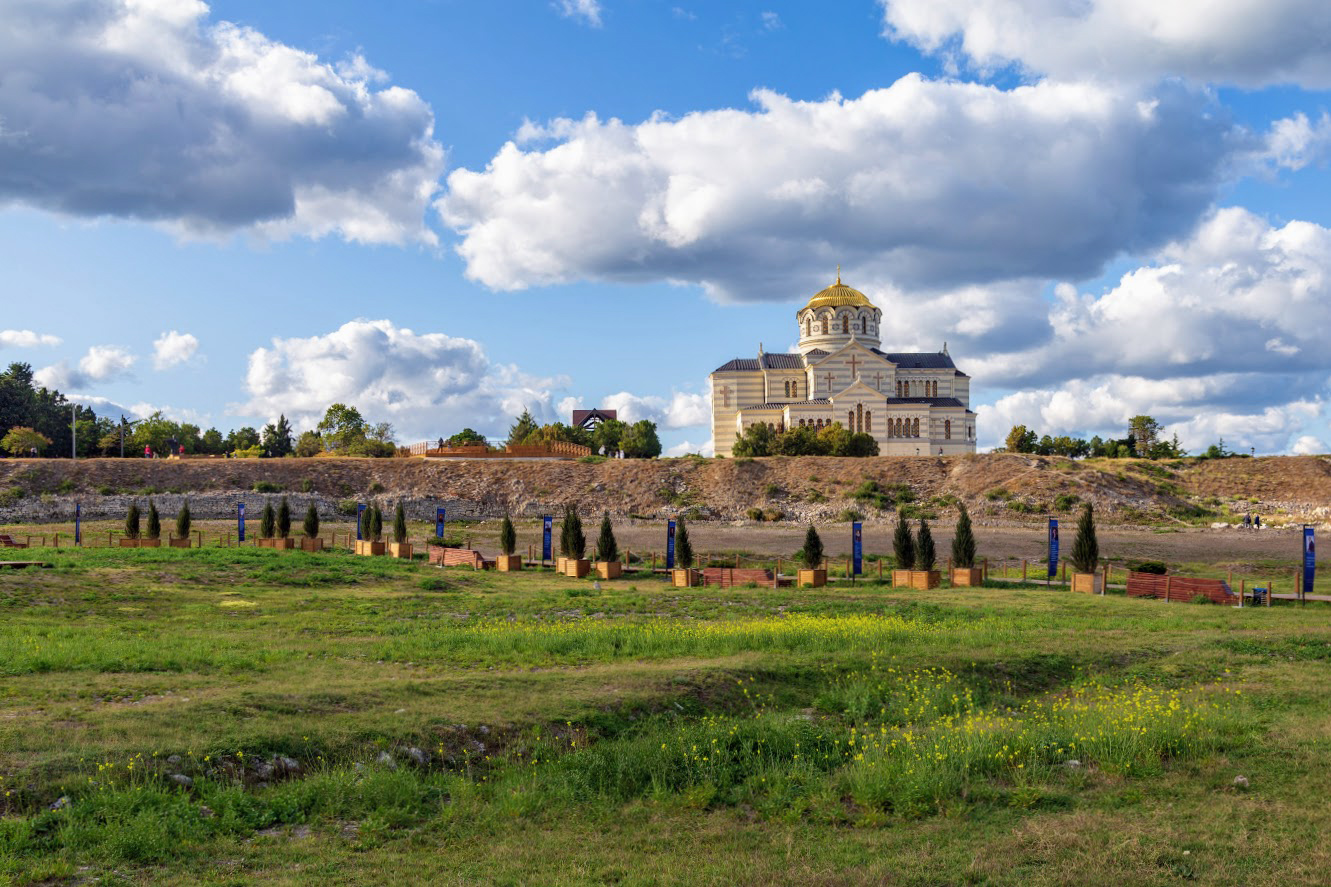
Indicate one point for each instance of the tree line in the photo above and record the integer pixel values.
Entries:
(1142, 441)
(630, 440)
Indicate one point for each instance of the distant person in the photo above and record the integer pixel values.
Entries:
(1247, 521)
(1257, 521)
(147, 451)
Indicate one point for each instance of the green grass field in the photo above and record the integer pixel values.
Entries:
(337, 719)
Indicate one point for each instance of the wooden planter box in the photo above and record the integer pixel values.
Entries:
(577, 569)
(609, 569)
(264, 543)
(1088, 583)
(682, 578)
(286, 543)
(508, 563)
(183, 542)
(561, 564)
(308, 543)
(967, 576)
(150, 543)
(130, 543)
(811, 578)
(901, 578)
(400, 549)
(368, 548)
(925, 579)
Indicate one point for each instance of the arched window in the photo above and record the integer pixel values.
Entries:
(819, 426)
(947, 429)
(845, 323)
(868, 422)
(808, 326)
(824, 326)
(915, 429)
(859, 418)
(850, 420)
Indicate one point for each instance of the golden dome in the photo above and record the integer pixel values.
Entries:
(837, 295)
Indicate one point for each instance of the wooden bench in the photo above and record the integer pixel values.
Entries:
(1179, 588)
(729, 577)
(458, 557)
(7, 541)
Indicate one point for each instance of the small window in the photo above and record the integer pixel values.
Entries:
(947, 429)
(868, 422)
(845, 324)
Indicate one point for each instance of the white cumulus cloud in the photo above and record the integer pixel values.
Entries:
(26, 339)
(102, 363)
(586, 11)
(931, 184)
(173, 348)
(1307, 445)
(1249, 43)
(427, 385)
(205, 126)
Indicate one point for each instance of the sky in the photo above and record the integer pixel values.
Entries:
(443, 212)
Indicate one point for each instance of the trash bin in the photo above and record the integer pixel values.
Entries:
(1258, 594)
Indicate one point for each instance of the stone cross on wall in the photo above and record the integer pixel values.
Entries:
(829, 383)
(878, 381)
(725, 396)
(854, 361)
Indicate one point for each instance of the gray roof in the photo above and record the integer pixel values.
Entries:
(783, 361)
(739, 363)
(816, 402)
(928, 401)
(929, 360)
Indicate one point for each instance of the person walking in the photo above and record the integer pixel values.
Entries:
(1247, 521)
(1257, 522)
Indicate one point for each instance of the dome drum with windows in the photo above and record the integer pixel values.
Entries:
(912, 403)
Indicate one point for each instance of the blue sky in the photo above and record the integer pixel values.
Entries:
(444, 211)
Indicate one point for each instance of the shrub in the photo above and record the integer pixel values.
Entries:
(265, 486)
(132, 521)
(870, 492)
(773, 514)
(1065, 501)
(925, 557)
(1086, 549)
(183, 520)
(607, 549)
(1153, 567)
(400, 524)
(849, 514)
(812, 552)
(903, 544)
(348, 507)
(963, 542)
(997, 493)
(284, 518)
(311, 521)
(376, 487)
(154, 522)
(754, 513)
(772, 490)
(683, 548)
(106, 490)
(306, 485)
(268, 521)
(817, 496)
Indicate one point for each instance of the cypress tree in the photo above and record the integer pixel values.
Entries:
(376, 523)
(183, 521)
(903, 544)
(284, 518)
(132, 520)
(268, 522)
(683, 547)
(508, 537)
(963, 543)
(607, 549)
(154, 522)
(1085, 548)
(577, 540)
(924, 547)
(812, 552)
(399, 524)
(311, 521)
(565, 533)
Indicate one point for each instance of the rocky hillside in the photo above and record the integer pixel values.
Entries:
(998, 489)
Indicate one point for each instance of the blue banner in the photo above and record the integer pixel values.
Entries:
(360, 521)
(1309, 560)
(78, 524)
(439, 517)
(240, 521)
(670, 545)
(1053, 547)
(857, 546)
(545, 538)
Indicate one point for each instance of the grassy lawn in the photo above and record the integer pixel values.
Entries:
(243, 716)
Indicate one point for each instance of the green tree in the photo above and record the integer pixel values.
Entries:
(607, 549)
(132, 520)
(276, 440)
(609, 436)
(465, 437)
(242, 438)
(311, 521)
(508, 537)
(523, 428)
(1020, 440)
(268, 521)
(1085, 548)
(925, 556)
(640, 441)
(21, 441)
(183, 520)
(376, 522)
(154, 432)
(903, 544)
(283, 519)
(757, 440)
(399, 524)
(343, 428)
(310, 443)
(1144, 431)
(812, 552)
(683, 547)
(212, 442)
(963, 541)
(154, 522)
(572, 541)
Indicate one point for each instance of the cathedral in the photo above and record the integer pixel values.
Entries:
(914, 404)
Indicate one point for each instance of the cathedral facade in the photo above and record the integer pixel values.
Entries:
(914, 404)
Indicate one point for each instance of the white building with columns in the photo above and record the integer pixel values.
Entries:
(914, 404)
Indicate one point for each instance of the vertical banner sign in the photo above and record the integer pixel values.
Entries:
(1309, 560)
(78, 524)
(439, 523)
(670, 545)
(360, 521)
(857, 546)
(240, 521)
(545, 537)
(1053, 547)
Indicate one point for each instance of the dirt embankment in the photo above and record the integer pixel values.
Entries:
(1002, 489)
